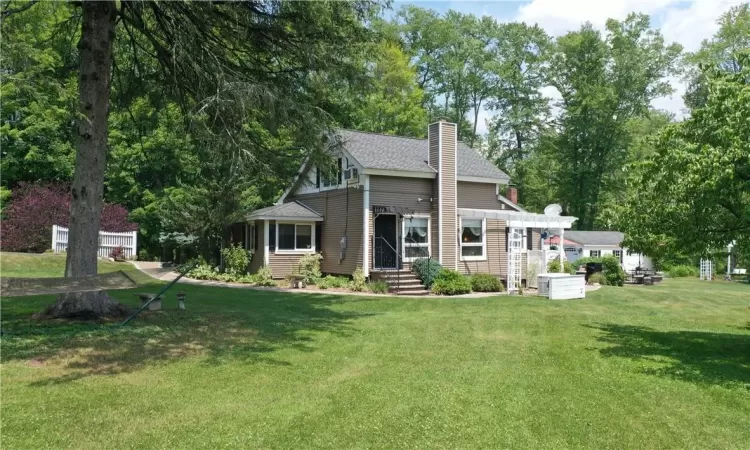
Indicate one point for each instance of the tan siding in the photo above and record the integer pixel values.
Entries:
(447, 176)
(497, 258)
(433, 139)
(339, 220)
(434, 154)
(536, 233)
(282, 265)
(480, 196)
(400, 192)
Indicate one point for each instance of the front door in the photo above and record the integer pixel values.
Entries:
(385, 245)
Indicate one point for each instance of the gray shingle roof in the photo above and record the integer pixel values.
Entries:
(380, 151)
(291, 210)
(595, 237)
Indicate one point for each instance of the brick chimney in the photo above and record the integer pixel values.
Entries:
(512, 194)
(443, 142)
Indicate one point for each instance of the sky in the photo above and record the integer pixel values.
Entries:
(685, 22)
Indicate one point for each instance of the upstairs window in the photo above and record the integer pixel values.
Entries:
(330, 178)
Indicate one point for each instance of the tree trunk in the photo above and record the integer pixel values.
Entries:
(95, 46)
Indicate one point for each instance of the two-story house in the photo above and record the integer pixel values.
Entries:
(394, 199)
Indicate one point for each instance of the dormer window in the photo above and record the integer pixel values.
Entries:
(329, 178)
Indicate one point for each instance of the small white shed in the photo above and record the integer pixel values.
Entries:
(562, 286)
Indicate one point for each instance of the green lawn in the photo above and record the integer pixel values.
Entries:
(636, 367)
(48, 265)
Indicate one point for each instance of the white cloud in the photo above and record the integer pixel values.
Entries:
(685, 23)
(558, 17)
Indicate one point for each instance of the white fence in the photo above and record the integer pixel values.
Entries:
(107, 241)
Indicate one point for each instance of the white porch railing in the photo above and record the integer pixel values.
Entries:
(108, 241)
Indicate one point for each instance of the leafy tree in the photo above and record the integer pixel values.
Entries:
(394, 105)
(519, 59)
(253, 58)
(721, 51)
(603, 84)
(453, 63)
(38, 96)
(521, 111)
(641, 132)
(694, 192)
(424, 34)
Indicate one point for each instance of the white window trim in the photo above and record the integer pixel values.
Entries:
(597, 251)
(296, 251)
(308, 186)
(461, 243)
(251, 231)
(403, 236)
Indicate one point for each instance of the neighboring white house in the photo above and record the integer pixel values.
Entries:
(579, 244)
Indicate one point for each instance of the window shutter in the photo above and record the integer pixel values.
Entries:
(529, 239)
(338, 169)
(507, 233)
(317, 177)
(318, 237)
(272, 236)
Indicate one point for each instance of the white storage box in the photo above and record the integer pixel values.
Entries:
(561, 286)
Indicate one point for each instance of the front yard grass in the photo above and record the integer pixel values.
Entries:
(48, 265)
(636, 367)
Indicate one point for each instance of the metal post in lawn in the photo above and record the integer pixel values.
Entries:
(161, 292)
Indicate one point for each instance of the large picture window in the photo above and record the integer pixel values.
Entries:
(295, 237)
(416, 238)
(473, 239)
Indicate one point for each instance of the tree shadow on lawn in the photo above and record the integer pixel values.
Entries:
(248, 329)
(700, 357)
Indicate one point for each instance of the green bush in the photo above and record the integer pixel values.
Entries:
(587, 259)
(359, 282)
(309, 267)
(236, 259)
(484, 282)
(264, 277)
(683, 271)
(598, 278)
(426, 269)
(450, 282)
(613, 270)
(331, 281)
(203, 271)
(554, 266)
(378, 287)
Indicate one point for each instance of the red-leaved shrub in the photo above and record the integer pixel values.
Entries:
(35, 208)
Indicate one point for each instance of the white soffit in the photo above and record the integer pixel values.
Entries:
(518, 219)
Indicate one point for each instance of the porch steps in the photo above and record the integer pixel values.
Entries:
(401, 282)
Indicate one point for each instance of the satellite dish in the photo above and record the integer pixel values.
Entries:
(553, 210)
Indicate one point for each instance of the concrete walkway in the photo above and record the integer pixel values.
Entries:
(155, 270)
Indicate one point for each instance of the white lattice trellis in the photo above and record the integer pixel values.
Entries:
(707, 269)
(515, 259)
